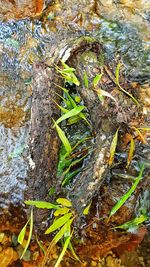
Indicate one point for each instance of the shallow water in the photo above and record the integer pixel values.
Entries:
(24, 42)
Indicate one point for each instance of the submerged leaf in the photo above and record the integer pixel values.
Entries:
(64, 202)
(120, 87)
(113, 148)
(73, 112)
(133, 223)
(58, 223)
(63, 138)
(131, 152)
(125, 197)
(41, 204)
(69, 176)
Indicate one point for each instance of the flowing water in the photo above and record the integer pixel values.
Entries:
(123, 30)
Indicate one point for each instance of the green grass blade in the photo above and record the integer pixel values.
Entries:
(64, 202)
(73, 252)
(125, 197)
(30, 234)
(75, 162)
(63, 138)
(58, 223)
(113, 148)
(41, 204)
(22, 233)
(63, 251)
(75, 111)
(96, 79)
(40, 245)
(122, 89)
(69, 176)
(64, 110)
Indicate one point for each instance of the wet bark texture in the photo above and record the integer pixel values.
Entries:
(44, 142)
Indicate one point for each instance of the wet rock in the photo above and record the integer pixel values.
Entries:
(13, 9)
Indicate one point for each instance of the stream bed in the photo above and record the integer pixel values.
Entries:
(100, 33)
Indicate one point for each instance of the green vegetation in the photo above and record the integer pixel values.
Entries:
(133, 225)
(21, 237)
(125, 197)
(64, 216)
(120, 87)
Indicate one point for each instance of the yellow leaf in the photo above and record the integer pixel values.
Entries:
(131, 151)
(64, 202)
(113, 148)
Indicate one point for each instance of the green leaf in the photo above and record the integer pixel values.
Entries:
(61, 211)
(64, 202)
(73, 252)
(131, 152)
(125, 197)
(75, 111)
(73, 120)
(40, 245)
(22, 233)
(85, 79)
(63, 251)
(69, 176)
(61, 233)
(75, 162)
(133, 223)
(64, 110)
(63, 138)
(97, 79)
(122, 89)
(41, 204)
(58, 223)
(113, 147)
(30, 234)
(87, 209)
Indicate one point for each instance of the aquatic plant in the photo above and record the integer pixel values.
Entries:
(133, 224)
(125, 197)
(121, 88)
